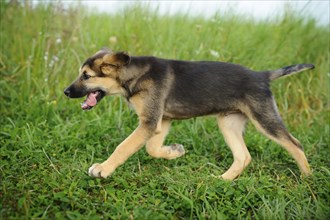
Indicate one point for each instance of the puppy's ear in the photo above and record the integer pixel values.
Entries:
(106, 50)
(103, 50)
(117, 59)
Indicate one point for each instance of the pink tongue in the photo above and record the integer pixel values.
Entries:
(90, 101)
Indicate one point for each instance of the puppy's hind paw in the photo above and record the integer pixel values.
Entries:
(97, 170)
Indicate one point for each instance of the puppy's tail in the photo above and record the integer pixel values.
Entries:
(274, 74)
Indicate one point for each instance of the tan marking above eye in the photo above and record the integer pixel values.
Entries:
(88, 71)
(98, 62)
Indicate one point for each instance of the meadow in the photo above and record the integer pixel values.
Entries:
(47, 143)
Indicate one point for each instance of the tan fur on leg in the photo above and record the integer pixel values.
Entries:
(155, 146)
(292, 145)
(232, 127)
(128, 147)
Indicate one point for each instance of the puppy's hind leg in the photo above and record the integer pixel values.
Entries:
(267, 120)
(155, 146)
(232, 127)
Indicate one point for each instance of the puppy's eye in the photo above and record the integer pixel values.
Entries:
(85, 76)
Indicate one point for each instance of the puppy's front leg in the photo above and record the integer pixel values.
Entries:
(128, 147)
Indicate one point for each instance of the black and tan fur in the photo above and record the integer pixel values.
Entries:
(162, 90)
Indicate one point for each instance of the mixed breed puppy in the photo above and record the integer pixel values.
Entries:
(162, 90)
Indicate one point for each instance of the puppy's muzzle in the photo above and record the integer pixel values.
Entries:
(75, 92)
(67, 92)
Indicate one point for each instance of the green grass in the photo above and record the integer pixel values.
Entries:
(47, 142)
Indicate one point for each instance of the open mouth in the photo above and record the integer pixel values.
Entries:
(92, 99)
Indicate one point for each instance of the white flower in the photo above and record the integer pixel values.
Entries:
(215, 53)
(113, 39)
(58, 40)
(55, 58)
(46, 56)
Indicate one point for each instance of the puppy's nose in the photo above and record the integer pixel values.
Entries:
(67, 92)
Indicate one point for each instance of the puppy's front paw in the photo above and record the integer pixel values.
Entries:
(98, 170)
(174, 151)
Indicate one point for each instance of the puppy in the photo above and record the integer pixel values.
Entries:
(162, 90)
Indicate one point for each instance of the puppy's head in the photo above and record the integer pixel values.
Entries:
(98, 77)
